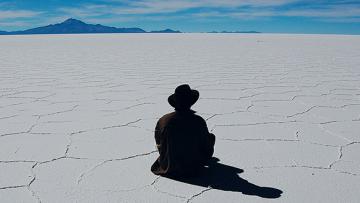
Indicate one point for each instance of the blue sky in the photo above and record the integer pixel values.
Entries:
(274, 16)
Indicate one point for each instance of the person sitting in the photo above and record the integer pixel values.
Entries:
(182, 137)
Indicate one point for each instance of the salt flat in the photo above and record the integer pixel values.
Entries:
(77, 114)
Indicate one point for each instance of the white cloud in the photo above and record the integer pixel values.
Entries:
(153, 7)
(238, 3)
(85, 11)
(129, 10)
(332, 12)
(339, 13)
(11, 14)
(170, 6)
(14, 24)
(109, 20)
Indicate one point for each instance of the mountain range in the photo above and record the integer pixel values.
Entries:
(250, 32)
(74, 26)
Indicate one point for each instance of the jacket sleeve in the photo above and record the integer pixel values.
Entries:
(157, 135)
(161, 165)
(209, 141)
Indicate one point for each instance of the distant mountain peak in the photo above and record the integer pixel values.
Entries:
(72, 21)
(166, 31)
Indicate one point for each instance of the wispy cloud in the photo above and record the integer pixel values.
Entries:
(242, 9)
(327, 11)
(14, 23)
(110, 20)
(348, 12)
(160, 6)
(11, 14)
(90, 10)
(125, 10)
(147, 12)
(148, 7)
(239, 3)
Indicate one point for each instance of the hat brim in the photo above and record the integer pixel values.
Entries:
(194, 96)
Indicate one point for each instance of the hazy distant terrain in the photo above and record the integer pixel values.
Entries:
(77, 114)
(74, 26)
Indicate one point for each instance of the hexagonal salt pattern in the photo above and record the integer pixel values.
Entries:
(77, 116)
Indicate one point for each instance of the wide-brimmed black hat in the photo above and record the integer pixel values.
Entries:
(184, 97)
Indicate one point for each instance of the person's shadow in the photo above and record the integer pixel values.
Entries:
(223, 177)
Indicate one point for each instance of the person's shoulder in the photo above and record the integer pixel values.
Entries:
(166, 118)
(199, 118)
(168, 115)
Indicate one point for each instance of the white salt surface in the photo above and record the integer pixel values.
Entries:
(77, 114)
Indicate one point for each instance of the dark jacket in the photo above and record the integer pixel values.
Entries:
(184, 144)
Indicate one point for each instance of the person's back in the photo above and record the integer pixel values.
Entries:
(182, 138)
